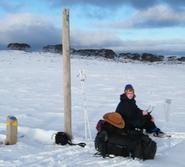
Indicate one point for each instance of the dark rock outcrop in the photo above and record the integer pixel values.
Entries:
(175, 59)
(132, 56)
(110, 54)
(151, 58)
(181, 59)
(146, 57)
(18, 46)
(172, 58)
(53, 48)
(106, 53)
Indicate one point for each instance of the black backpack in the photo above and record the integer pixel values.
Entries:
(146, 148)
(63, 138)
(135, 145)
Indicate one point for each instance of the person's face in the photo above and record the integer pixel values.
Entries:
(129, 94)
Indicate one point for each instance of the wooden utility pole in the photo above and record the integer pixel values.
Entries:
(67, 73)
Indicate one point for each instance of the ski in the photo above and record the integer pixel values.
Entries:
(164, 135)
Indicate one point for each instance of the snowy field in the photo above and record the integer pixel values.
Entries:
(31, 88)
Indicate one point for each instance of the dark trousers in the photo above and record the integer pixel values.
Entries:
(142, 123)
(148, 124)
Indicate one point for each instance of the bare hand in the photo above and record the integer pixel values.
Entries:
(152, 119)
(145, 113)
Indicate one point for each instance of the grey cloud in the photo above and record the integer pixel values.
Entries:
(179, 4)
(101, 9)
(103, 3)
(27, 28)
(89, 39)
(166, 47)
(95, 12)
(94, 39)
(38, 32)
(138, 4)
(157, 16)
(10, 6)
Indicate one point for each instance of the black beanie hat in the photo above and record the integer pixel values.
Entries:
(129, 86)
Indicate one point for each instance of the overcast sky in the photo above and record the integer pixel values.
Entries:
(126, 25)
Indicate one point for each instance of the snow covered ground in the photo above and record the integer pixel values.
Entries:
(31, 88)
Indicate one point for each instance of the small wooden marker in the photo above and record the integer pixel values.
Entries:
(11, 130)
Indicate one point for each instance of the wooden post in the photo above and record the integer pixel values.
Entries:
(67, 73)
(11, 132)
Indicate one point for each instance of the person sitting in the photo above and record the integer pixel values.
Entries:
(134, 117)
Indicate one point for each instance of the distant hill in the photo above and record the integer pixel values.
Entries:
(106, 53)
(148, 57)
(53, 48)
(18, 46)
